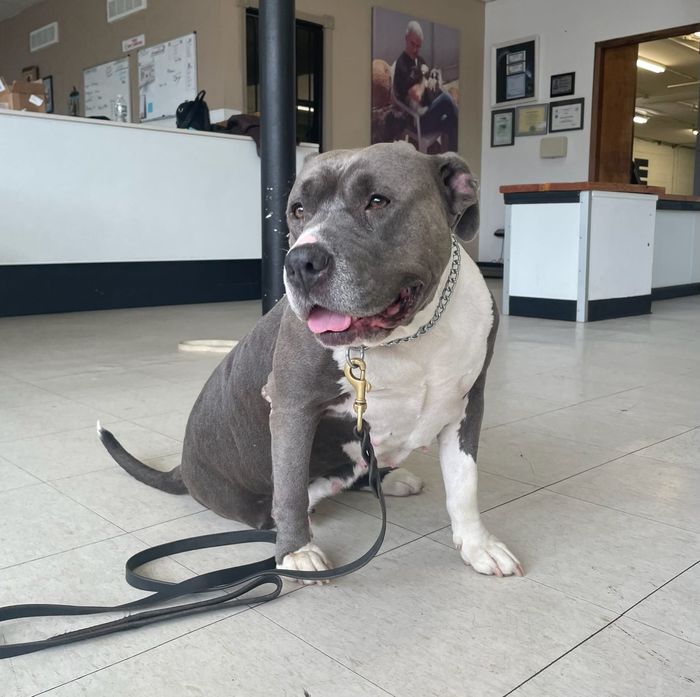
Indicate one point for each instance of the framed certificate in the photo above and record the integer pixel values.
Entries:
(531, 120)
(502, 132)
(566, 115)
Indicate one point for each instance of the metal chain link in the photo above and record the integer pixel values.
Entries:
(442, 303)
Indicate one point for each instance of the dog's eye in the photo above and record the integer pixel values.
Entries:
(298, 211)
(377, 201)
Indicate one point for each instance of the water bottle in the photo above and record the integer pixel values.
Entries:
(120, 109)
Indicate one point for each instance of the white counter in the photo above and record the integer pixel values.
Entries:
(578, 251)
(75, 190)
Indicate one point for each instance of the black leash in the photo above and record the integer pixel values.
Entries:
(240, 579)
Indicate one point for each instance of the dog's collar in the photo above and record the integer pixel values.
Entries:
(447, 291)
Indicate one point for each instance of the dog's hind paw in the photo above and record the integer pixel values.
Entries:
(308, 558)
(401, 482)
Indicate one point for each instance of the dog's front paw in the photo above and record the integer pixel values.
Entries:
(488, 555)
(401, 482)
(307, 558)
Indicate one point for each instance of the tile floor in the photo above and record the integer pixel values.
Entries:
(590, 471)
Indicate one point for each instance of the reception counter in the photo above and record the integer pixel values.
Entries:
(97, 214)
(578, 251)
(676, 269)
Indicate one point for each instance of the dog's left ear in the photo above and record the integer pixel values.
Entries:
(460, 189)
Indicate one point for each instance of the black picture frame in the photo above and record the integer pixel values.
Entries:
(571, 120)
(495, 127)
(514, 75)
(562, 85)
(48, 92)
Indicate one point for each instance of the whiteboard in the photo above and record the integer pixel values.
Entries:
(167, 77)
(102, 84)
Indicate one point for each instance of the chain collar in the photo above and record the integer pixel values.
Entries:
(441, 306)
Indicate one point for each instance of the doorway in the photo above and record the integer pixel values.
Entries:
(309, 75)
(631, 84)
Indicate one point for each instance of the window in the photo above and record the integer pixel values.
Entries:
(309, 77)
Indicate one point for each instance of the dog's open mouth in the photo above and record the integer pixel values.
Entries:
(337, 328)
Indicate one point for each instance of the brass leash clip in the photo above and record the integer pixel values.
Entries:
(355, 373)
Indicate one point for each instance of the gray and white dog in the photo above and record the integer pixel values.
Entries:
(372, 258)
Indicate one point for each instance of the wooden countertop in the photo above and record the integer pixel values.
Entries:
(582, 186)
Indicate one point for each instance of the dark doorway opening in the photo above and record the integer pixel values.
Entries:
(309, 75)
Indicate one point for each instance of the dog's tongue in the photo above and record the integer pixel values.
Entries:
(321, 320)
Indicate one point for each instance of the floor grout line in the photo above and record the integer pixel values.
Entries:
(598, 631)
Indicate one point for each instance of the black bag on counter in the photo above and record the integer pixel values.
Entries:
(194, 114)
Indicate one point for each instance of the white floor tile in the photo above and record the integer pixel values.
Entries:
(242, 655)
(90, 575)
(662, 491)
(67, 454)
(522, 453)
(625, 659)
(418, 623)
(118, 497)
(674, 608)
(587, 551)
(38, 520)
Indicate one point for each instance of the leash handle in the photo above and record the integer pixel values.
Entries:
(241, 579)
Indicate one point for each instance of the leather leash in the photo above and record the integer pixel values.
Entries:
(235, 582)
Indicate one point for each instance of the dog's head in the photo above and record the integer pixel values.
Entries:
(370, 238)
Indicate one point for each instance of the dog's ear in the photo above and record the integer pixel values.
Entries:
(460, 189)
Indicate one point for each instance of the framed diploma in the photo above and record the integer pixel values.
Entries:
(566, 115)
(502, 132)
(531, 120)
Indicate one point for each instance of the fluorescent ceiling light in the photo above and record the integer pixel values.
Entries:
(301, 107)
(638, 118)
(644, 64)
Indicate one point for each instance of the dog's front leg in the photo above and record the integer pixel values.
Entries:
(292, 430)
(459, 443)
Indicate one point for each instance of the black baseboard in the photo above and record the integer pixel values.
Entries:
(31, 289)
(490, 269)
(610, 308)
(679, 291)
(546, 308)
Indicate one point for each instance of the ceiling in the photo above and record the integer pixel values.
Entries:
(671, 105)
(10, 8)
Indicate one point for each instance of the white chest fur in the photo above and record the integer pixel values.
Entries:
(419, 387)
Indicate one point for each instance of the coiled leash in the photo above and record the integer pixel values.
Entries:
(236, 581)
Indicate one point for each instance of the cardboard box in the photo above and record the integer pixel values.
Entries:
(22, 96)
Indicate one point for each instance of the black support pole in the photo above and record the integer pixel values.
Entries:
(278, 138)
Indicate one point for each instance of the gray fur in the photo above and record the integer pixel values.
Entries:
(251, 459)
(470, 428)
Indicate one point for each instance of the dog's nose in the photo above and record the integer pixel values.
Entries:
(306, 265)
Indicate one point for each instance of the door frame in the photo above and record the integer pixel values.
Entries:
(597, 105)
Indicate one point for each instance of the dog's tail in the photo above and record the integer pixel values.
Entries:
(170, 482)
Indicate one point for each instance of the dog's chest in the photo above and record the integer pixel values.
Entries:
(419, 387)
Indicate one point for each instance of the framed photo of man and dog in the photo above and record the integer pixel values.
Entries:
(415, 81)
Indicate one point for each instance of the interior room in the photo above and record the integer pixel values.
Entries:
(266, 262)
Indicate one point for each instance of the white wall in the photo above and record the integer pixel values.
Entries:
(82, 190)
(670, 167)
(568, 31)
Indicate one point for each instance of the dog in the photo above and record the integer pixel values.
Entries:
(375, 239)
(433, 84)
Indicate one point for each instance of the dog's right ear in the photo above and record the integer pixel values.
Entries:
(460, 189)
